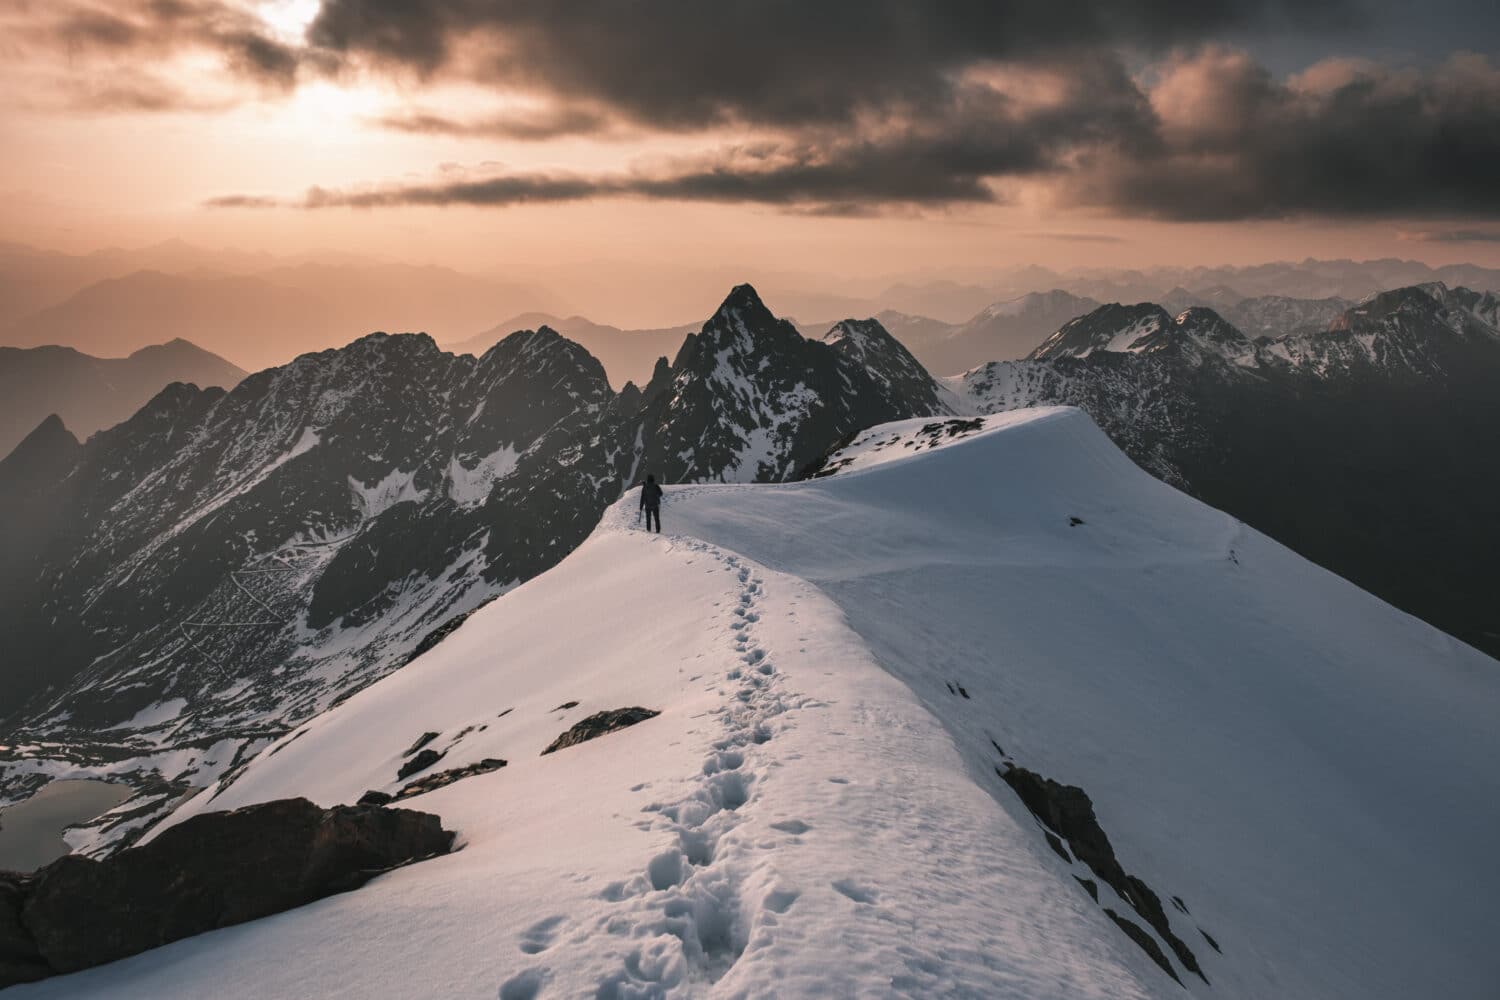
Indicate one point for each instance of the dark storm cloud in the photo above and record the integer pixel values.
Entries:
(863, 106)
(946, 156)
(1353, 139)
(142, 31)
(1216, 138)
(530, 126)
(686, 64)
(1454, 236)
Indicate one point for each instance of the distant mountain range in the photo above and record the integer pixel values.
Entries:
(91, 393)
(255, 310)
(627, 355)
(258, 309)
(1176, 288)
(999, 332)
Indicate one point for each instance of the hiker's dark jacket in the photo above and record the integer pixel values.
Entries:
(651, 496)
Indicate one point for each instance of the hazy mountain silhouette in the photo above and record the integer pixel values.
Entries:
(91, 393)
(627, 355)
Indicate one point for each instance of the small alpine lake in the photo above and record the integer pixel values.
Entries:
(31, 832)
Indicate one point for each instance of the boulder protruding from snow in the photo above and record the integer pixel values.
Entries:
(213, 870)
(432, 782)
(421, 762)
(600, 723)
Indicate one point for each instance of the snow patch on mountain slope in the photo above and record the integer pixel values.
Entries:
(374, 499)
(470, 486)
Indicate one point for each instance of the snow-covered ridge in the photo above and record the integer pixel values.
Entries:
(1296, 770)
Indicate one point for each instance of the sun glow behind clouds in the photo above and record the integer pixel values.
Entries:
(287, 19)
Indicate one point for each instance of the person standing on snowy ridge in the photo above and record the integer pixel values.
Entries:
(651, 502)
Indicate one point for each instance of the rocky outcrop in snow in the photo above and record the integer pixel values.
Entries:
(214, 870)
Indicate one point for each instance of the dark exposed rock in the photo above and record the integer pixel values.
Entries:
(1210, 939)
(20, 961)
(1057, 846)
(1068, 811)
(432, 782)
(213, 870)
(421, 762)
(1074, 522)
(1089, 886)
(565, 706)
(600, 723)
(374, 797)
(748, 398)
(1177, 902)
(421, 742)
(1147, 943)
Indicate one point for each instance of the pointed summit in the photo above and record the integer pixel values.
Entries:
(43, 457)
(744, 304)
(870, 345)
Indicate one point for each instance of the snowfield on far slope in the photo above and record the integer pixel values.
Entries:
(1294, 787)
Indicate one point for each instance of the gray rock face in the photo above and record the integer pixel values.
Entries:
(213, 870)
(20, 960)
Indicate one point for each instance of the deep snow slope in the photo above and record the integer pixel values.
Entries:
(1312, 771)
(1294, 768)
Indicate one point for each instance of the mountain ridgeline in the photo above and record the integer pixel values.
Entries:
(226, 564)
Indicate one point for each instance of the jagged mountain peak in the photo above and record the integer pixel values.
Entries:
(1425, 298)
(859, 332)
(1203, 322)
(1431, 308)
(742, 298)
(742, 326)
(50, 437)
(1029, 303)
(749, 398)
(51, 427)
(743, 311)
(1111, 327)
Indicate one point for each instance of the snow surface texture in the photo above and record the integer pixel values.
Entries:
(816, 811)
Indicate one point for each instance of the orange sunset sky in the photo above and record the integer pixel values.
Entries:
(847, 143)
